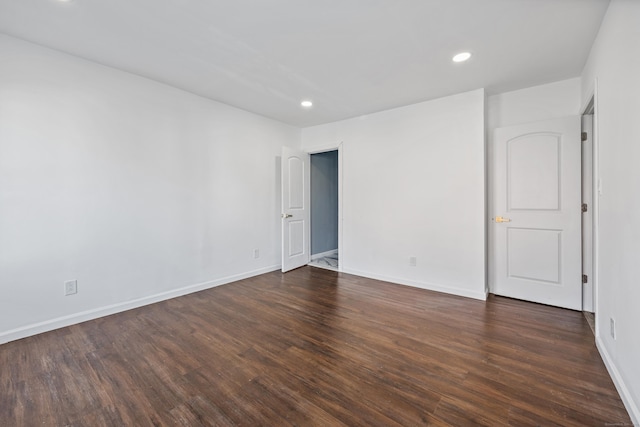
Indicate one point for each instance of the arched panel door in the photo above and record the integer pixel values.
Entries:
(295, 208)
(536, 218)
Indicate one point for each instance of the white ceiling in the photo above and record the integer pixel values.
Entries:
(351, 57)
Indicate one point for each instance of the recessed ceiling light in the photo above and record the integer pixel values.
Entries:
(461, 57)
(306, 104)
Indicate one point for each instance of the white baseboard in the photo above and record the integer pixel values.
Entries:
(625, 395)
(422, 285)
(72, 319)
(324, 254)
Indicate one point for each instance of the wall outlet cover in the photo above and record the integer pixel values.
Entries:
(612, 325)
(70, 287)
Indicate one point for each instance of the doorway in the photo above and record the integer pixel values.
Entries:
(324, 224)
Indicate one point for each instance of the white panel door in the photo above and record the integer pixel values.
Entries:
(295, 208)
(536, 218)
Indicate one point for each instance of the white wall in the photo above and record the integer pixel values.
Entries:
(544, 102)
(138, 190)
(413, 186)
(615, 63)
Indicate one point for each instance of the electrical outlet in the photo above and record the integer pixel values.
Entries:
(70, 287)
(600, 186)
(413, 261)
(256, 253)
(612, 326)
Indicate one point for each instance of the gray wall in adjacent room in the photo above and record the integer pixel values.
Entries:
(324, 202)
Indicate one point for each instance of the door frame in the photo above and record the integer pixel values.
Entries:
(591, 103)
(323, 149)
(587, 217)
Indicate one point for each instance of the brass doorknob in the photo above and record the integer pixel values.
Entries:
(502, 219)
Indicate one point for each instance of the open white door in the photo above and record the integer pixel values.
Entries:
(295, 208)
(536, 224)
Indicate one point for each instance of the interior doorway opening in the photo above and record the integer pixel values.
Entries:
(324, 225)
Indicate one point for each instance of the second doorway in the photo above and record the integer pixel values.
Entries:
(324, 210)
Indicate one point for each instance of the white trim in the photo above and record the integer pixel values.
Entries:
(324, 254)
(586, 160)
(72, 319)
(340, 204)
(323, 148)
(592, 96)
(627, 399)
(422, 285)
(595, 264)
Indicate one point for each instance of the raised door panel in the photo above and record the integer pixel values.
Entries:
(533, 174)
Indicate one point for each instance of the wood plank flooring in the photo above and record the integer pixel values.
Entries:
(313, 348)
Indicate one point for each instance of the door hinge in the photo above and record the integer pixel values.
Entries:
(585, 208)
(584, 136)
(585, 278)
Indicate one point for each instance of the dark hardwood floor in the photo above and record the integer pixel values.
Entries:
(313, 347)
